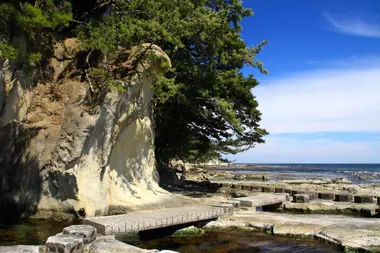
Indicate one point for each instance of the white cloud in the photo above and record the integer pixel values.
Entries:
(299, 108)
(344, 100)
(290, 150)
(357, 27)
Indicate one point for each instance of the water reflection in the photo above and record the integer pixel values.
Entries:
(29, 232)
(237, 241)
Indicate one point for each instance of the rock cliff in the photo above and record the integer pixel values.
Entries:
(62, 153)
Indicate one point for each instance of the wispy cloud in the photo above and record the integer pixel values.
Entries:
(324, 115)
(340, 100)
(289, 150)
(354, 26)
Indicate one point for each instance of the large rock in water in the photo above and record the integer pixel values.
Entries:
(61, 154)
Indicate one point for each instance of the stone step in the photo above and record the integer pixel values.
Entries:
(235, 203)
(364, 199)
(301, 198)
(343, 197)
(263, 199)
(227, 207)
(326, 195)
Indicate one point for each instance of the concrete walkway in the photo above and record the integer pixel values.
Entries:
(148, 220)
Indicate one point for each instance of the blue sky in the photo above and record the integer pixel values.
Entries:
(321, 98)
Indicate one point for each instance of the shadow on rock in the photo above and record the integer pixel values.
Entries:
(20, 180)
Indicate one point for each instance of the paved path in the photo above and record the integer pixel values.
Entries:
(148, 220)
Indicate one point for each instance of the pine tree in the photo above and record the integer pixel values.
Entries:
(204, 105)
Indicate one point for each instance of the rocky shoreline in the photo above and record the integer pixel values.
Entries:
(79, 239)
(327, 210)
(315, 209)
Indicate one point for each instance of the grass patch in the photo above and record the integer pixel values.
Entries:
(191, 231)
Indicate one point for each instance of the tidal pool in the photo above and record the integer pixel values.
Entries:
(212, 241)
(237, 241)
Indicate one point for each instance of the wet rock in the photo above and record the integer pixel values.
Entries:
(87, 232)
(64, 244)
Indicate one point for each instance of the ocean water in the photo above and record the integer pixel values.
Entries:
(358, 173)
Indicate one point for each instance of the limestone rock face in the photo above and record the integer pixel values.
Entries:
(60, 154)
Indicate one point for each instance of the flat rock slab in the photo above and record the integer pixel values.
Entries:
(148, 220)
(331, 206)
(338, 229)
(263, 199)
(22, 249)
(320, 220)
(351, 238)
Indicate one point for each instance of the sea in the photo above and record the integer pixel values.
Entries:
(357, 173)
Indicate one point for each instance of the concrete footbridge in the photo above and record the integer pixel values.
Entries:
(154, 219)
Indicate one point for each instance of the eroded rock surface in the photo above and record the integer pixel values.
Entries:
(62, 153)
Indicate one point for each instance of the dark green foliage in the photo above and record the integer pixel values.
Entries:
(203, 106)
(27, 28)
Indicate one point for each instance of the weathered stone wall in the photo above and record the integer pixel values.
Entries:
(59, 155)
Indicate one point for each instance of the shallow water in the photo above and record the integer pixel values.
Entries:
(221, 241)
(237, 241)
(29, 232)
